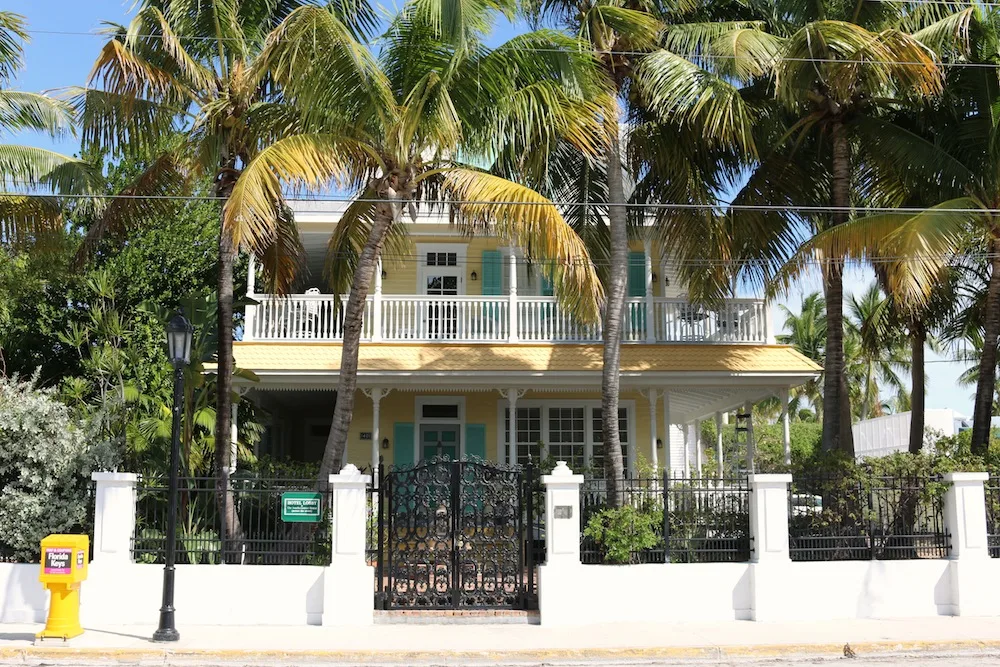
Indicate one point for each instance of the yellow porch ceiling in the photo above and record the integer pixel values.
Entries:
(385, 357)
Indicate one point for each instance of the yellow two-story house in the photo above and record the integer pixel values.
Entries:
(462, 332)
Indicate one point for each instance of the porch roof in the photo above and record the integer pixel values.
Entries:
(451, 359)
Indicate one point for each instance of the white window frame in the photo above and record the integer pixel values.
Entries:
(418, 417)
(588, 438)
(461, 251)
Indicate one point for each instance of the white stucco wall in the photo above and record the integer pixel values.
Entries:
(22, 598)
(588, 594)
(204, 595)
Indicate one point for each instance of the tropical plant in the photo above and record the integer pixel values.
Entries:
(830, 126)
(807, 334)
(405, 126)
(201, 66)
(670, 117)
(26, 172)
(876, 351)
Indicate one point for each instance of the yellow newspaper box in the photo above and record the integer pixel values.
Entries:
(64, 566)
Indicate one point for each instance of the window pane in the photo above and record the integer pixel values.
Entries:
(440, 411)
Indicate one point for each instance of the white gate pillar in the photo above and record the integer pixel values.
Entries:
(769, 540)
(349, 581)
(974, 587)
(114, 516)
(562, 578)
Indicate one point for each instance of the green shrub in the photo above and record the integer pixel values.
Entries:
(623, 532)
(46, 458)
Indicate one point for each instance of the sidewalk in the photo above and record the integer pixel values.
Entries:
(409, 644)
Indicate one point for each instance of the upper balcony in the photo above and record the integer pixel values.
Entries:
(452, 288)
(503, 319)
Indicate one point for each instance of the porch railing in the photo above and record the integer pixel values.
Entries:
(503, 319)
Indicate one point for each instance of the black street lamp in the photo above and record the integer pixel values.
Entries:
(179, 334)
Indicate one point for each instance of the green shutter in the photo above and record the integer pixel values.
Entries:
(637, 274)
(402, 447)
(492, 273)
(475, 440)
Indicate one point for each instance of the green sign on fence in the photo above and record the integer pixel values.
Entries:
(301, 506)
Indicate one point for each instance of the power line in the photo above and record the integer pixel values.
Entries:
(767, 208)
(687, 56)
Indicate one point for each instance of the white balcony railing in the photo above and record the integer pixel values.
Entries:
(503, 319)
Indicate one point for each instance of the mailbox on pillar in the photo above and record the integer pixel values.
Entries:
(64, 567)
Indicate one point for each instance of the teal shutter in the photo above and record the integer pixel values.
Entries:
(637, 274)
(492, 273)
(475, 440)
(546, 283)
(402, 448)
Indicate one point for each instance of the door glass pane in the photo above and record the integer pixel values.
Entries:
(433, 284)
(450, 284)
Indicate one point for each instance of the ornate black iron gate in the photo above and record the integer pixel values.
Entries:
(455, 535)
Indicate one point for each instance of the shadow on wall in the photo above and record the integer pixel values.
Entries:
(24, 598)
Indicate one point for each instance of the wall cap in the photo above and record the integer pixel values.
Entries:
(966, 476)
(778, 478)
(349, 475)
(114, 477)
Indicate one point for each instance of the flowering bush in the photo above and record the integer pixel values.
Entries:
(45, 464)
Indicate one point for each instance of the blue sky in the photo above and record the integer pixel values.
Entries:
(59, 60)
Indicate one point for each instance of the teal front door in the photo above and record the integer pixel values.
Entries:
(436, 440)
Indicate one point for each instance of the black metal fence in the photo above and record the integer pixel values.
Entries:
(258, 536)
(863, 517)
(992, 490)
(696, 520)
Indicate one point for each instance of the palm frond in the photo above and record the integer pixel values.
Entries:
(34, 111)
(26, 220)
(532, 222)
(13, 34)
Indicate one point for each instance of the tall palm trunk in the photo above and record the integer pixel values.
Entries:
(986, 385)
(336, 444)
(224, 380)
(614, 466)
(918, 338)
(836, 400)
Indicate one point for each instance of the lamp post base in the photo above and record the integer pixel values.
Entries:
(166, 635)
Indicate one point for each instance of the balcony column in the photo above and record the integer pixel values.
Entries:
(376, 394)
(512, 396)
(786, 436)
(250, 310)
(651, 395)
(667, 463)
(650, 324)
(718, 443)
(512, 295)
(377, 310)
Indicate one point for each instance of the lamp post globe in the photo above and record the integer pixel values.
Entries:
(179, 335)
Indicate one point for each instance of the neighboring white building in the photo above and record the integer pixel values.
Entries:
(882, 436)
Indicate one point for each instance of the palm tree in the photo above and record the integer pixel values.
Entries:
(197, 65)
(876, 351)
(807, 334)
(25, 218)
(392, 129)
(674, 107)
(833, 123)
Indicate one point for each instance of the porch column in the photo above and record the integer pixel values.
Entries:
(751, 454)
(667, 463)
(687, 451)
(786, 436)
(512, 396)
(250, 310)
(376, 394)
(697, 445)
(512, 296)
(234, 437)
(377, 309)
(718, 443)
(650, 323)
(651, 396)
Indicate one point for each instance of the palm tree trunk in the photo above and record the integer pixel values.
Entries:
(230, 523)
(614, 466)
(986, 385)
(918, 338)
(336, 443)
(836, 399)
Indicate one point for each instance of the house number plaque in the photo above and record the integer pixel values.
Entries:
(563, 511)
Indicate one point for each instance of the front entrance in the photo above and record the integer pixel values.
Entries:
(439, 441)
(452, 535)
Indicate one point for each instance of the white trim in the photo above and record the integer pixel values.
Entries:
(418, 418)
(588, 406)
(460, 249)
